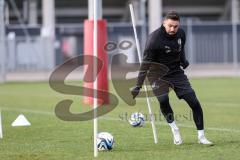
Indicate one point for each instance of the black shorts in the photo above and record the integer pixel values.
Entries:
(176, 81)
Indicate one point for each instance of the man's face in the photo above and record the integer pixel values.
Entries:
(171, 26)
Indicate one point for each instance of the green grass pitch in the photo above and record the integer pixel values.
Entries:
(50, 138)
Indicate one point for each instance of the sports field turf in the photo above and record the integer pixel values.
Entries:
(51, 138)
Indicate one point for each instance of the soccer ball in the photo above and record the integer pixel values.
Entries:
(105, 141)
(137, 119)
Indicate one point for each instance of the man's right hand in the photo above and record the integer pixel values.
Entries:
(185, 64)
(135, 91)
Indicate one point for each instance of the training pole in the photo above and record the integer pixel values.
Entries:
(145, 86)
(95, 84)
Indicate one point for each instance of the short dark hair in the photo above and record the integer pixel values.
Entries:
(173, 15)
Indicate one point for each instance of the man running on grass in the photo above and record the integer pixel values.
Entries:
(165, 46)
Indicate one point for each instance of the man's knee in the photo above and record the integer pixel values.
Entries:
(190, 96)
(192, 100)
(163, 99)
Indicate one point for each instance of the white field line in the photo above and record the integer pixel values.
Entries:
(222, 104)
(28, 111)
(117, 119)
(179, 124)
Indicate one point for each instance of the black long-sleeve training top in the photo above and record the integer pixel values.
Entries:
(162, 48)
